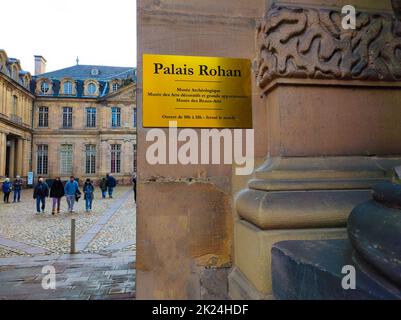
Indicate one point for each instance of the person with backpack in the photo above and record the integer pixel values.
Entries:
(40, 193)
(103, 187)
(17, 186)
(88, 194)
(71, 191)
(56, 193)
(6, 188)
(111, 184)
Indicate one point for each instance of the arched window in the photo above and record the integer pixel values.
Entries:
(92, 88)
(68, 87)
(44, 87)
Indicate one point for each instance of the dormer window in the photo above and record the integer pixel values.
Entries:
(44, 87)
(115, 86)
(92, 89)
(95, 72)
(13, 72)
(68, 87)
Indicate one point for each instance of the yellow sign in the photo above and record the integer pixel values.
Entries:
(198, 92)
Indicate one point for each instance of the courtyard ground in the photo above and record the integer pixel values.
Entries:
(104, 266)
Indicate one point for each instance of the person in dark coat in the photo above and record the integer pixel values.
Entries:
(17, 184)
(103, 187)
(6, 187)
(111, 184)
(56, 193)
(88, 194)
(40, 193)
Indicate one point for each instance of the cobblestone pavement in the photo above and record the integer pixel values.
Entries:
(105, 266)
(78, 277)
(51, 234)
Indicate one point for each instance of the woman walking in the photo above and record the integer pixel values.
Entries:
(56, 193)
(7, 187)
(88, 194)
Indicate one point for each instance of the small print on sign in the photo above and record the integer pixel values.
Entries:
(198, 92)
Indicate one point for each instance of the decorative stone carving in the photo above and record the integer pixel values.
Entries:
(299, 42)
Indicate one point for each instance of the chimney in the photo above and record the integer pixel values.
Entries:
(40, 65)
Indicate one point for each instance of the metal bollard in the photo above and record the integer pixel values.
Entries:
(72, 249)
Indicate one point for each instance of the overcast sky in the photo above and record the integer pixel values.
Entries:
(99, 32)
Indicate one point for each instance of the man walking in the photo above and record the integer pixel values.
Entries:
(17, 189)
(71, 189)
(88, 194)
(40, 193)
(111, 184)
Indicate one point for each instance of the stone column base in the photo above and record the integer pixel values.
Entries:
(253, 256)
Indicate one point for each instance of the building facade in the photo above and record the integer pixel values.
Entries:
(79, 121)
(16, 103)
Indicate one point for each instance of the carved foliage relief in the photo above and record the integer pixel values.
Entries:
(311, 43)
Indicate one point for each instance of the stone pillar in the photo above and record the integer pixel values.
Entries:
(19, 155)
(11, 165)
(3, 152)
(25, 158)
(329, 110)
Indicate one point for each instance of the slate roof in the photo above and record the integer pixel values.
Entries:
(82, 72)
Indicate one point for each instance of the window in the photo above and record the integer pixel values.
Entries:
(90, 156)
(44, 87)
(91, 117)
(68, 87)
(134, 116)
(43, 160)
(13, 72)
(43, 117)
(115, 86)
(115, 117)
(67, 117)
(66, 159)
(91, 89)
(115, 158)
(15, 105)
(134, 163)
(95, 72)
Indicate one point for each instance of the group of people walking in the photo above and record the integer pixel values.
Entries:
(58, 190)
(8, 187)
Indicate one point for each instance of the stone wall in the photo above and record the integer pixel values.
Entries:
(185, 216)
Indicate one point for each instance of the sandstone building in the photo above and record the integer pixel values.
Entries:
(77, 121)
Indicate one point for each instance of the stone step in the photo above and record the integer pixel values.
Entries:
(312, 270)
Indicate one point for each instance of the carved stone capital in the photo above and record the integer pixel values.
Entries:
(301, 42)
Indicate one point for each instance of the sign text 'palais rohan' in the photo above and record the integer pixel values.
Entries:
(198, 92)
